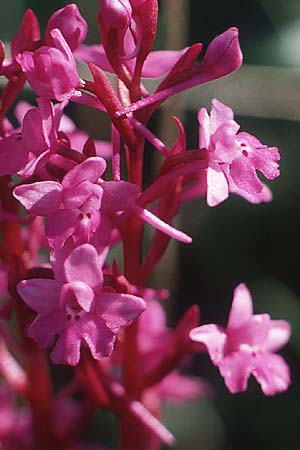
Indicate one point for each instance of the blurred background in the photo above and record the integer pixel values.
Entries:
(235, 242)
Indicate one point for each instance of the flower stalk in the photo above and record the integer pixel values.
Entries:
(71, 197)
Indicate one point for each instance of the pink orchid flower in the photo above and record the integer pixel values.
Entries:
(78, 310)
(51, 70)
(233, 158)
(246, 346)
(72, 206)
(28, 149)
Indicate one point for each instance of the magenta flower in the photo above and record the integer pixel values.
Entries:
(58, 271)
(71, 207)
(234, 158)
(78, 310)
(51, 71)
(246, 346)
(30, 149)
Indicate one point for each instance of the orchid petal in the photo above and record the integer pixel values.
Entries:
(71, 24)
(42, 198)
(44, 328)
(118, 310)
(214, 338)
(236, 369)
(60, 226)
(204, 128)
(217, 186)
(91, 169)
(78, 292)
(244, 175)
(272, 373)
(33, 137)
(241, 308)
(220, 113)
(279, 334)
(67, 348)
(83, 265)
(40, 294)
(98, 336)
(118, 196)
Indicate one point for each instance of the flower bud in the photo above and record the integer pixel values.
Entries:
(116, 13)
(72, 25)
(27, 34)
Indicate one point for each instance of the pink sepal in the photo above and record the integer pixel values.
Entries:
(83, 265)
(41, 198)
(27, 34)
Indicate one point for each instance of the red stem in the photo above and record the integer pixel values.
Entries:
(39, 392)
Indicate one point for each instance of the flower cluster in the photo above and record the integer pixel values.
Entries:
(78, 198)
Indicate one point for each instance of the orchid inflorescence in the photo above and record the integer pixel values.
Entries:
(63, 191)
